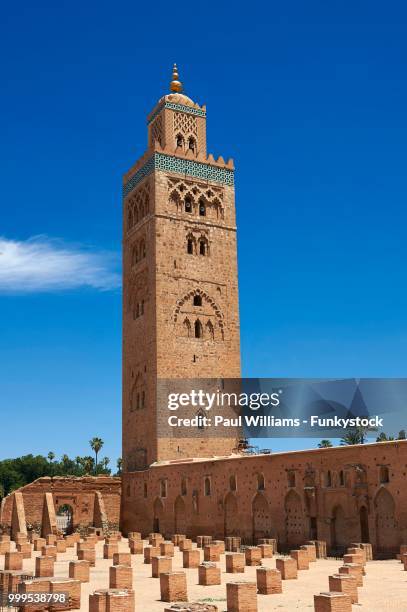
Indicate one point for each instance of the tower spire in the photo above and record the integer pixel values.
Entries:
(175, 85)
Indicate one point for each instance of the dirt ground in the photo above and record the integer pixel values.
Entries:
(385, 583)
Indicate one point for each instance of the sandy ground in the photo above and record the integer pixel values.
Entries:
(385, 583)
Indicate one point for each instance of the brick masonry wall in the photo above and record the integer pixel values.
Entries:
(79, 493)
(283, 512)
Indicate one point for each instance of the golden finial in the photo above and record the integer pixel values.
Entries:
(175, 84)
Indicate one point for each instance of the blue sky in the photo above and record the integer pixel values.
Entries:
(308, 98)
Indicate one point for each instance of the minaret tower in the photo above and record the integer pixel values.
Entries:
(180, 290)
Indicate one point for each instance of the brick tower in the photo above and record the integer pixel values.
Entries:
(180, 291)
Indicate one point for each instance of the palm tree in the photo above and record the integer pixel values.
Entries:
(96, 445)
(88, 464)
(354, 436)
(325, 444)
(104, 463)
(382, 437)
(51, 456)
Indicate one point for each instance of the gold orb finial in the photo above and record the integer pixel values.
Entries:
(175, 84)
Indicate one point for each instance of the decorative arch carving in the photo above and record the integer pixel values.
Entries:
(339, 536)
(179, 189)
(294, 519)
(137, 292)
(387, 534)
(210, 325)
(138, 205)
(137, 394)
(231, 515)
(261, 517)
(205, 296)
(180, 515)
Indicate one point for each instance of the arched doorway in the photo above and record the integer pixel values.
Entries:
(294, 519)
(180, 516)
(231, 517)
(386, 529)
(261, 518)
(339, 537)
(64, 516)
(364, 525)
(158, 511)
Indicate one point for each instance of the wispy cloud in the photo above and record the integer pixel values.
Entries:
(42, 264)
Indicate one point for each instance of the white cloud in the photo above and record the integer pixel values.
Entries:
(44, 264)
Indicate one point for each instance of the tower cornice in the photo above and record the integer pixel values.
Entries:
(208, 169)
(177, 103)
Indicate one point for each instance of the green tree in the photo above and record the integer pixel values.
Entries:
(382, 437)
(104, 466)
(402, 434)
(88, 464)
(15, 473)
(96, 445)
(325, 444)
(354, 436)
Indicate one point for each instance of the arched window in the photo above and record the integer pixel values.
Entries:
(143, 399)
(180, 140)
(260, 482)
(175, 200)
(184, 486)
(187, 327)
(341, 479)
(207, 486)
(191, 144)
(198, 329)
(129, 218)
(128, 491)
(135, 394)
(384, 474)
(232, 483)
(163, 488)
(134, 255)
(188, 204)
(190, 246)
(197, 300)
(202, 247)
(210, 330)
(202, 208)
(328, 479)
(142, 249)
(146, 204)
(145, 489)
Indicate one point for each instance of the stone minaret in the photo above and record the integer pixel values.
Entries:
(180, 290)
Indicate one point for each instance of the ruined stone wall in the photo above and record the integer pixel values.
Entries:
(36, 503)
(341, 495)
